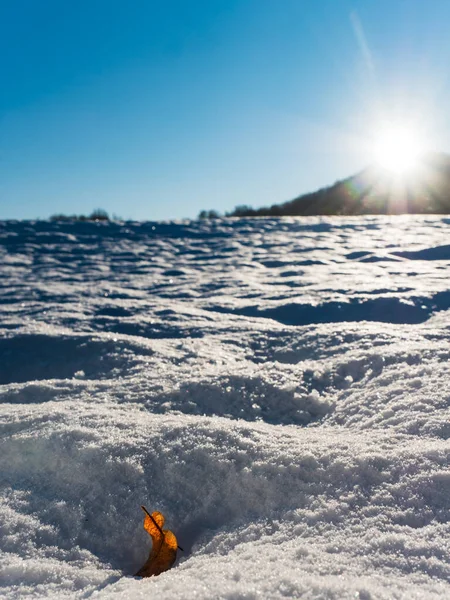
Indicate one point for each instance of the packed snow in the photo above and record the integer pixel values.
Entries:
(279, 389)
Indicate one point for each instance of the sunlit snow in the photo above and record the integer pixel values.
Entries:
(279, 389)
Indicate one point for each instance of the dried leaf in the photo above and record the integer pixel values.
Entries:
(164, 549)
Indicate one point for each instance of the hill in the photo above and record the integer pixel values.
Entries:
(372, 191)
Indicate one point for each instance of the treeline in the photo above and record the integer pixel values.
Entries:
(372, 191)
(97, 215)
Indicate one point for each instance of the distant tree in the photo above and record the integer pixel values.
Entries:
(209, 214)
(243, 210)
(99, 215)
(61, 217)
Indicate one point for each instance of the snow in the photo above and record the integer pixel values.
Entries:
(279, 389)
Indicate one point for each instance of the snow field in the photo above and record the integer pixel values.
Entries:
(207, 371)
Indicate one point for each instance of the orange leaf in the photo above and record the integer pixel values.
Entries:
(164, 549)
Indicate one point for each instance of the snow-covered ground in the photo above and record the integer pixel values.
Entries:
(279, 389)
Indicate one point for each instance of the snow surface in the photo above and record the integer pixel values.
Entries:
(279, 389)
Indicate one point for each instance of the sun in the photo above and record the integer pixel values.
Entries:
(397, 148)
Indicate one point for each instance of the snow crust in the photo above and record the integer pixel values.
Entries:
(279, 389)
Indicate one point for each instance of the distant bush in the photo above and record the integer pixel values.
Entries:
(97, 215)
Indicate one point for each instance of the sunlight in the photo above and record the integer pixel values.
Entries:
(397, 148)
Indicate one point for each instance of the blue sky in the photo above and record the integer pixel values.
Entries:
(158, 109)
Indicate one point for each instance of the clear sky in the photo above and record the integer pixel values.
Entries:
(156, 109)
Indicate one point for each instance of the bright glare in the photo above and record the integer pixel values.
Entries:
(397, 149)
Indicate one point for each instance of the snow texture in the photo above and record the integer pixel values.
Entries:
(279, 389)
